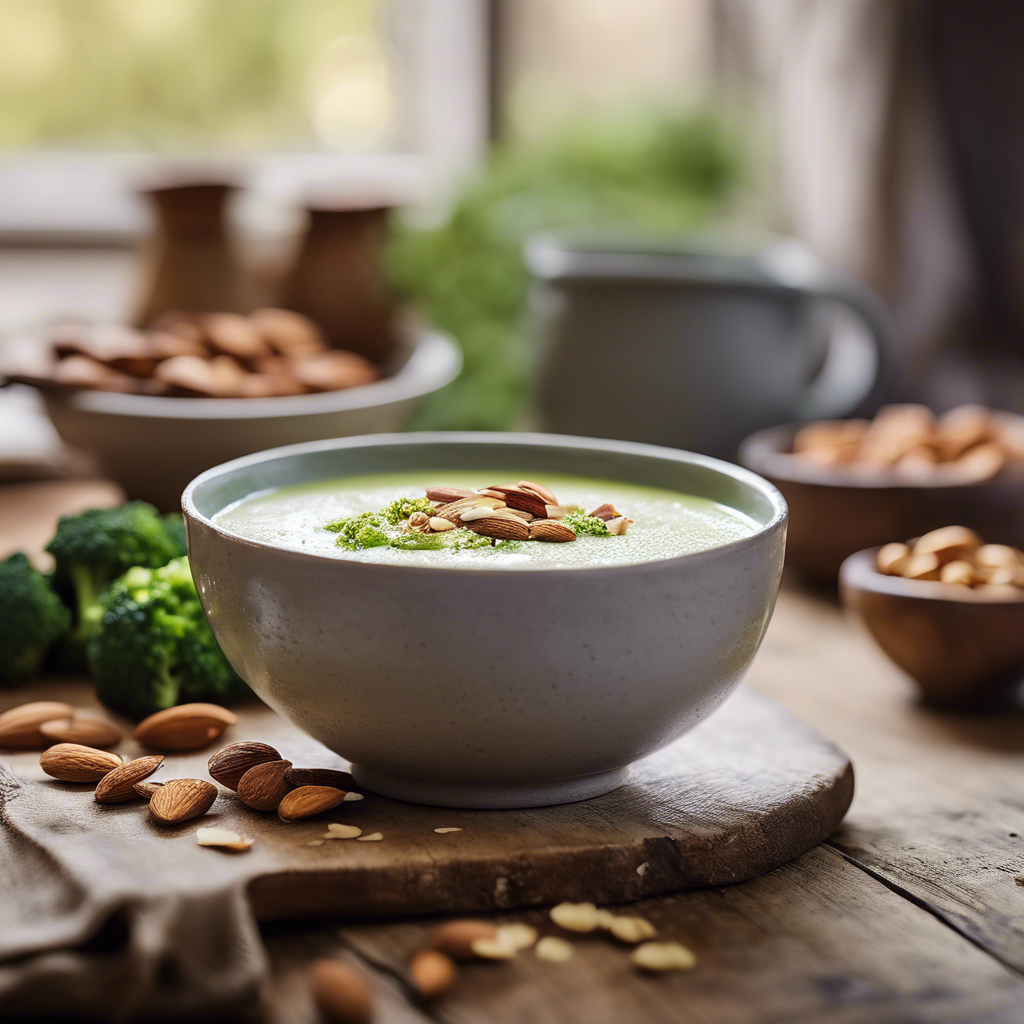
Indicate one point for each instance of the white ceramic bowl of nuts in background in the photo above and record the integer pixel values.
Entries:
(488, 688)
(153, 446)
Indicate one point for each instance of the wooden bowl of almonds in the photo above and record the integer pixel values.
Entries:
(947, 608)
(855, 484)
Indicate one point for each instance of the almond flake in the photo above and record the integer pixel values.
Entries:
(442, 831)
(349, 797)
(315, 842)
(335, 831)
(554, 950)
(222, 837)
(373, 837)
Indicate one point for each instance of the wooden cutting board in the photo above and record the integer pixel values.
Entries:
(747, 791)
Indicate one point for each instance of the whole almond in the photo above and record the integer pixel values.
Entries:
(230, 763)
(340, 993)
(19, 727)
(119, 785)
(320, 777)
(181, 800)
(456, 938)
(147, 789)
(185, 727)
(73, 762)
(500, 528)
(446, 495)
(264, 786)
(550, 530)
(528, 501)
(92, 732)
(432, 972)
(307, 801)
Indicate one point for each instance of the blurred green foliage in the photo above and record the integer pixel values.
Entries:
(649, 174)
(166, 74)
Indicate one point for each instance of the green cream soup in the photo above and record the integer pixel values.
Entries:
(665, 523)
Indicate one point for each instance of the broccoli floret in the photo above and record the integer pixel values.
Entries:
(174, 526)
(32, 617)
(363, 531)
(402, 508)
(154, 648)
(93, 548)
(583, 525)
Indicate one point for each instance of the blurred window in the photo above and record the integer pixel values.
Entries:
(88, 86)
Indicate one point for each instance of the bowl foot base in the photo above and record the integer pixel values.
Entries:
(491, 797)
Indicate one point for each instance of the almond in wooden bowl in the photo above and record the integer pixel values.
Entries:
(839, 507)
(962, 645)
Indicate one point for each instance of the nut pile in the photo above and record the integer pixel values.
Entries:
(519, 511)
(967, 444)
(342, 995)
(268, 354)
(956, 555)
(263, 780)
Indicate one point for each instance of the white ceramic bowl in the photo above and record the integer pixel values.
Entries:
(488, 688)
(153, 446)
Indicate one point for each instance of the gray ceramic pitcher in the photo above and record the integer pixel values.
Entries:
(698, 345)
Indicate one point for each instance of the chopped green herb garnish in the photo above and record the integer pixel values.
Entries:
(583, 525)
(402, 508)
(363, 531)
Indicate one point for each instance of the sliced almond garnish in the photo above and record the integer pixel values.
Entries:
(558, 511)
(516, 497)
(454, 510)
(373, 837)
(546, 495)
(446, 495)
(439, 525)
(619, 525)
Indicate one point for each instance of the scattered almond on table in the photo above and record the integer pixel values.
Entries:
(958, 556)
(967, 444)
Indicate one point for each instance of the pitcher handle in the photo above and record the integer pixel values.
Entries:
(859, 369)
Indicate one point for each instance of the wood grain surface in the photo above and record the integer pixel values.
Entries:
(913, 913)
(747, 791)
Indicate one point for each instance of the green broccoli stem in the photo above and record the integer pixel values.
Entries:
(165, 693)
(90, 584)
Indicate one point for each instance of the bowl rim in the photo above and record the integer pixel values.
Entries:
(859, 572)
(434, 360)
(760, 452)
(746, 477)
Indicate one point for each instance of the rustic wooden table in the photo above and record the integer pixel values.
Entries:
(912, 912)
